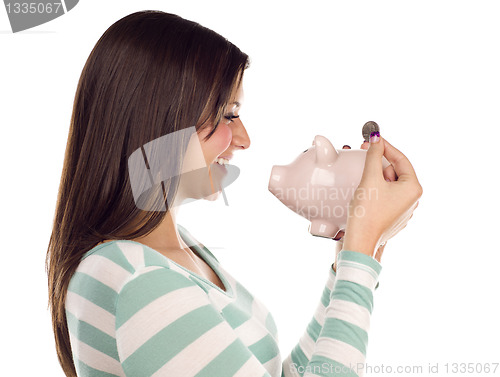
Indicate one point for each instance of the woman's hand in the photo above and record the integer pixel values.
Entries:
(390, 175)
(384, 200)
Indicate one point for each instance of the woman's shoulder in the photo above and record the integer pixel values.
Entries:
(113, 264)
(129, 255)
(118, 277)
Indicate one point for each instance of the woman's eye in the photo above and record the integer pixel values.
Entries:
(230, 117)
(306, 150)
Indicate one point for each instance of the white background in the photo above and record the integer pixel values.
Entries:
(427, 71)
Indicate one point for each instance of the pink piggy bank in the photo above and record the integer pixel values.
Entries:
(319, 185)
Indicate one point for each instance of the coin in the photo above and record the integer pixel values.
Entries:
(368, 128)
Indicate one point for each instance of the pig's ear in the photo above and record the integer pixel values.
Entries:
(325, 152)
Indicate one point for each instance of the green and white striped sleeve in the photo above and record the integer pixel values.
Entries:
(335, 341)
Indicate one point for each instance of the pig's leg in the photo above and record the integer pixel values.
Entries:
(323, 228)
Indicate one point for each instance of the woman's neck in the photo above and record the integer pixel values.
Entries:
(165, 236)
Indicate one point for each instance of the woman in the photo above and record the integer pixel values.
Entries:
(132, 293)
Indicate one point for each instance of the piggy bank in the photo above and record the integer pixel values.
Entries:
(319, 185)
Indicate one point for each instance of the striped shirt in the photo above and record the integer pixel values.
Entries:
(133, 312)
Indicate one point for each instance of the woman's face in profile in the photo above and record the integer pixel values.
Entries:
(229, 136)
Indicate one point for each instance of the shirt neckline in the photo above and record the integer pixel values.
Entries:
(204, 254)
(201, 251)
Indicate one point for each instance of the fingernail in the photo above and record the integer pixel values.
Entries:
(374, 137)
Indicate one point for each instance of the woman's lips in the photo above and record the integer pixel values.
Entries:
(224, 157)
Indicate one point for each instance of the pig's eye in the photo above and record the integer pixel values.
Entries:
(306, 150)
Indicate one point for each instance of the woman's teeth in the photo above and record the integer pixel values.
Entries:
(222, 161)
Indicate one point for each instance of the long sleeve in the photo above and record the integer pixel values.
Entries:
(335, 341)
(302, 352)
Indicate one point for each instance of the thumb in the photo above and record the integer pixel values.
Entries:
(373, 163)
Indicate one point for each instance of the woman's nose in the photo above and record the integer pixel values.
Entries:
(240, 135)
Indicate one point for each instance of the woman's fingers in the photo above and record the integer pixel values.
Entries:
(390, 174)
(373, 163)
(389, 212)
(402, 166)
(339, 235)
(378, 254)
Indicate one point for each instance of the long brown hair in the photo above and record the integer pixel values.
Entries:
(150, 74)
